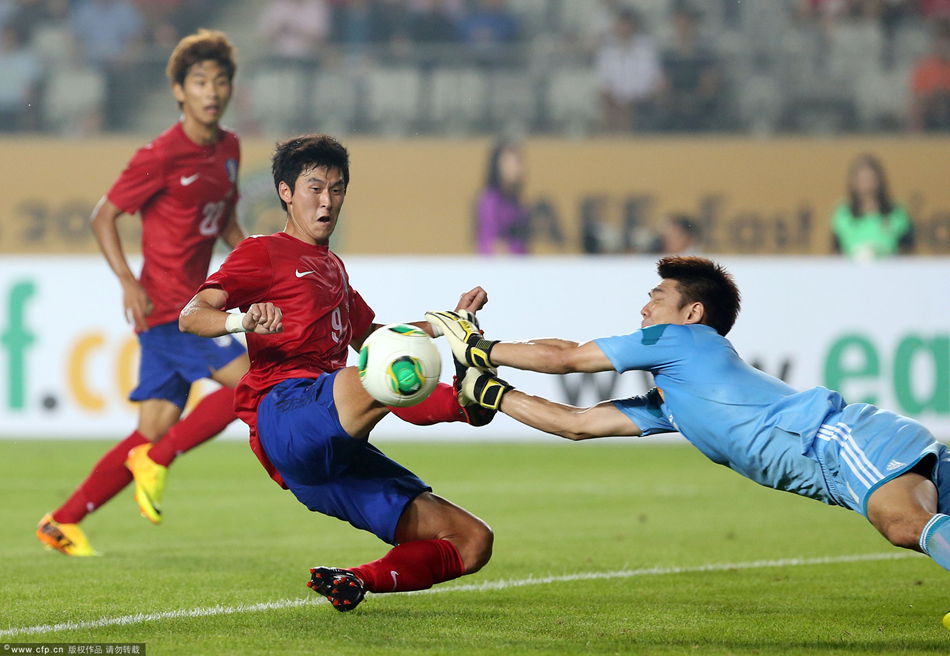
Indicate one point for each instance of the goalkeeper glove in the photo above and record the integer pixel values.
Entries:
(468, 345)
(484, 389)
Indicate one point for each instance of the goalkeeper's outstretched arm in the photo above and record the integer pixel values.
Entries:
(551, 356)
(601, 420)
(573, 423)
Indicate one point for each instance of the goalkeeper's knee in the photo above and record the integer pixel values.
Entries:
(485, 389)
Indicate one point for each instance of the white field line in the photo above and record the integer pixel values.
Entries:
(209, 611)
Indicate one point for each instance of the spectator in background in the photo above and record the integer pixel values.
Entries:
(826, 12)
(434, 25)
(72, 91)
(20, 72)
(628, 70)
(361, 25)
(168, 20)
(295, 29)
(679, 235)
(488, 29)
(53, 39)
(587, 24)
(935, 8)
(111, 34)
(502, 222)
(27, 15)
(161, 29)
(869, 224)
(434, 22)
(109, 31)
(692, 82)
(292, 32)
(930, 84)
(7, 10)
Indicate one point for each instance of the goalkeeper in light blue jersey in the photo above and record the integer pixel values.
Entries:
(887, 467)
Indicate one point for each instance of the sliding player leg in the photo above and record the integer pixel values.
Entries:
(314, 431)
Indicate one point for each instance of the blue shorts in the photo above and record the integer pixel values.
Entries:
(172, 360)
(326, 469)
(862, 447)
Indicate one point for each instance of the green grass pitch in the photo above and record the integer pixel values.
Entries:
(232, 540)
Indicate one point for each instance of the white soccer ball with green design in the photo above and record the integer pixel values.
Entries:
(399, 365)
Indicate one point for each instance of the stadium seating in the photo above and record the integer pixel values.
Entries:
(850, 76)
(392, 99)
(74, 98)
(276, 98)
(572, 101)
(512, 99)
(456, 99)
(335, 102)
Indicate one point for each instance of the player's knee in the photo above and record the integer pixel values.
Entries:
(475, 546)
(903, 532)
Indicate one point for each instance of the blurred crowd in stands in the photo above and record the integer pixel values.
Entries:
(491, 66)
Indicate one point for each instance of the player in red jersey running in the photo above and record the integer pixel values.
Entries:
(308, 414)
(184, 185)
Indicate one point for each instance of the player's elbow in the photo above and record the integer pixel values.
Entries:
(186, 318)
(103, 214)
(562, 360)
(575, 436)
(575, 428)
(184, 324)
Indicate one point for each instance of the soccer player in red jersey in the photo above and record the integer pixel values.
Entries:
(308, 414)
(184, 185)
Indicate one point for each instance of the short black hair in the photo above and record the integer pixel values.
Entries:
(308, 151)
(700, 280)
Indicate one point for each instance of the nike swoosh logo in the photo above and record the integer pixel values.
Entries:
(301, 274)
(393, 573)
(187, 181)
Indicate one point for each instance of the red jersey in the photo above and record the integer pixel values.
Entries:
(185, 193)
(322, 314)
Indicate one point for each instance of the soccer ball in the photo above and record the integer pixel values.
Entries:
(399, 365)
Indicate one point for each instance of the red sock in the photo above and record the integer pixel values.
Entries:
(414, 565)
(441, 406)
(211, 416)
(106, 480)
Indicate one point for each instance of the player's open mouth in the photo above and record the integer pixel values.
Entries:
(323, 219)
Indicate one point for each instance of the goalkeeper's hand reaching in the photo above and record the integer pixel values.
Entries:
(465, 339)
(484, 389)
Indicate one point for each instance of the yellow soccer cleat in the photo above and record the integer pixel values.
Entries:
(65, 538)
(149, 482)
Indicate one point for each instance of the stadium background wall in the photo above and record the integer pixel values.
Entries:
(67, 359)
(750, 196)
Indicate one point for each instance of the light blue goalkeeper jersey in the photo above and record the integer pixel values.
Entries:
(735, 414)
